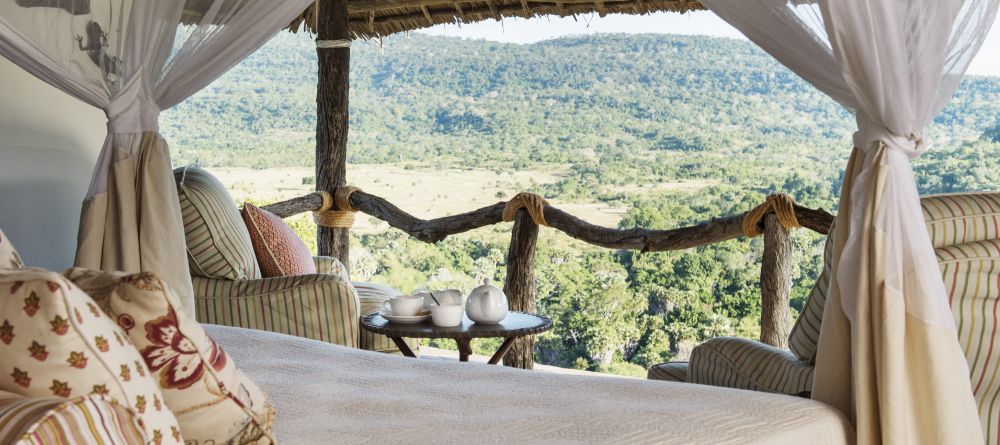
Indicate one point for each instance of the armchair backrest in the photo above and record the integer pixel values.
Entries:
(965, 231)
(804, 337)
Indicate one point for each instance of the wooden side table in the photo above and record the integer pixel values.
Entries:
(517, 324)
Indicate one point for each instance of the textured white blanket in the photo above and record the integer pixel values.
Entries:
(327, 394)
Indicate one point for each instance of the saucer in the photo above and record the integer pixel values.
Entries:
(407, 319)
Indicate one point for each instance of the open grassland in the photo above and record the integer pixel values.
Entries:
(428, 193)
(423, 192)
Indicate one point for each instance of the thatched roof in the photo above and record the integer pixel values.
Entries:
(376, 18)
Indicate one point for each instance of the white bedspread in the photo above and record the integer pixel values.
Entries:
(327, 394)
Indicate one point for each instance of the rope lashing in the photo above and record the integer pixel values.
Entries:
(340, 43)
(783, 207)
(534, 204)
(336, 210)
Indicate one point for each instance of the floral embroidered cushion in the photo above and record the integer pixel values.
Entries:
(56, 342)
(91, 419)
(213, 400)
(280, 252)
(8, 255)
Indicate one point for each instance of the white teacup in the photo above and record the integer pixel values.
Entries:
(445, 297)
(448, 315)
(404, 305)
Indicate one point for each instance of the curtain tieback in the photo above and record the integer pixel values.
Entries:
(336, 210)
(534, 204)
(873, 135)
(133, 110)
(783, 207)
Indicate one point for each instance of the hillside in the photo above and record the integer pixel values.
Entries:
(644, 130)
(657, 107)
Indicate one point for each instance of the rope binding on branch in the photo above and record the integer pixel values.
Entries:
(783, 207)
(336, 211)
(534, 204)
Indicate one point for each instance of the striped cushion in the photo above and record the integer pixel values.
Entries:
(746, 364)
(372, 297)
(218, 244)
(81, 420)
(320, 307)
(962, 217)
(672, 371)
(8, 255)
(972, 278)
(805, 334)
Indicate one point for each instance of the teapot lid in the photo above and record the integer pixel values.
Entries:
(487, 286)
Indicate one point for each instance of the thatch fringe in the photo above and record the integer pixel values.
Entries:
(378, 18)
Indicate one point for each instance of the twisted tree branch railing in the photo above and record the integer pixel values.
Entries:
(519, 283)
(646, 240)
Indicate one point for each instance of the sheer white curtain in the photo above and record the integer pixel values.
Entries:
(888, 353)
(133, 58)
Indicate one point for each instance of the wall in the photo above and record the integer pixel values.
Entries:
(49, 143)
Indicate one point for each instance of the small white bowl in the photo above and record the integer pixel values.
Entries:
(447, 316)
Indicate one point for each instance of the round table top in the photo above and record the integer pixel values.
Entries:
(515, 325)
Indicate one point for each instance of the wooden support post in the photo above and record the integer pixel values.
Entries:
(331, 118)
(775, 283)
(520, 285)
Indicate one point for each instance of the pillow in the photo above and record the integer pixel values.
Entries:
(280, 252)
(213, 400)
(218, 244)
(56, 342)
(8, 255)
(52, 420)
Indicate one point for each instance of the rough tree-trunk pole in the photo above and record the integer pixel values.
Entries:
(775, 283)
(331, 118)
(520, 285)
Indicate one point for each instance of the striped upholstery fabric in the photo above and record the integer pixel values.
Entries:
(331, 266)
(319, 307)
(962, 217)
(372, 297)
(805, 334)
(671, 371)
(746, 364)
(218, 244)
(54, 421)
(9, 258)
(966, 232)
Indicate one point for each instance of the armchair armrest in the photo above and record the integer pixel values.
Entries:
(319, 306)
(329, 265)
(746, 364)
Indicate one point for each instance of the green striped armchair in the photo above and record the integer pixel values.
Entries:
(230, 291)
(965, 231)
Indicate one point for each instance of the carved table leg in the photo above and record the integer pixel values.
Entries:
(464, 349)
(403, 347)
(507, 343)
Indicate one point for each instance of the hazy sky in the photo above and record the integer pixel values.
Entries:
(702, 22)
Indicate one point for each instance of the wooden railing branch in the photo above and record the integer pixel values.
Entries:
(647, 240)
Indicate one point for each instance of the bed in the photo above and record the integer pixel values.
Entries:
(331, 394)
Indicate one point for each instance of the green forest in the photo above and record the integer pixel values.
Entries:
(619, 113)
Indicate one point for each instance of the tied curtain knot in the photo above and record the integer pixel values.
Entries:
(871, 134)
(133, 109)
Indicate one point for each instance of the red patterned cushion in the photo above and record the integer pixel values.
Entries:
(279, 250)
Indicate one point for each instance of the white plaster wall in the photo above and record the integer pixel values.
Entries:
(49, 143)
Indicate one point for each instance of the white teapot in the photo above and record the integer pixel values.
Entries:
(487, 304)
